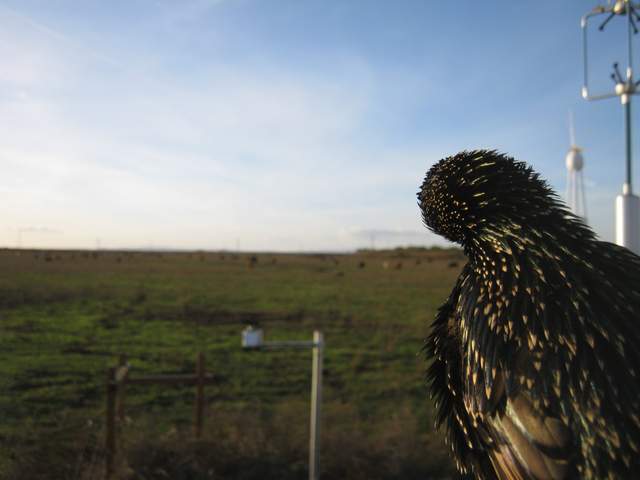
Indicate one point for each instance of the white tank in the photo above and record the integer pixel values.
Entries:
(574, 159)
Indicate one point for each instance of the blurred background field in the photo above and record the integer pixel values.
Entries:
(65, 316)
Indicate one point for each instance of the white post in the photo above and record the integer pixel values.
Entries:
(252, 339)
(628, 220)
(316, 403)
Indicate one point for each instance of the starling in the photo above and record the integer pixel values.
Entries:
(535, 355)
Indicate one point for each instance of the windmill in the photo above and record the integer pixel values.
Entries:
(575, 195)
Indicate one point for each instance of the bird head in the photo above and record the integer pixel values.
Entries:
(476, 193)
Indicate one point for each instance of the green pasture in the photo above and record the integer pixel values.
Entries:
(66, 316)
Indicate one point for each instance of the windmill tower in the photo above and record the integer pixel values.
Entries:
(576, 197)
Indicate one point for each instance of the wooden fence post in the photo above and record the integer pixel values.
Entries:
(199, 408)
(110, 443)
(118, 377)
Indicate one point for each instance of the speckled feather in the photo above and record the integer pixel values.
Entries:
(535, 354)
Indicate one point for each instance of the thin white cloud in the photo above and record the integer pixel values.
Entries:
(171, 162)
(38, 229)
(385, 232)
(20, 20)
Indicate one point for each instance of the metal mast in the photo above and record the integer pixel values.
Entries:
(627, 204)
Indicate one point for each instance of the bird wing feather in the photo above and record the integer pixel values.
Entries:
(532, 445)
(494, 432)
(445, 376)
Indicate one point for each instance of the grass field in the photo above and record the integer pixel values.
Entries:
(65, 317)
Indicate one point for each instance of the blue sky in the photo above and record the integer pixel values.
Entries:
(282, 125)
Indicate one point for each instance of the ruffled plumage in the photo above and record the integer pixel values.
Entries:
(536, 352)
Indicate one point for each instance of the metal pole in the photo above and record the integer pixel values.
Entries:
(626, 101)
(627, 211)
(584, 197)
(576, 200)
(626, 98)
(316, 403)
(199, 408)
(585, 71)
(629, 41)
(110, 441)
(120, 392)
